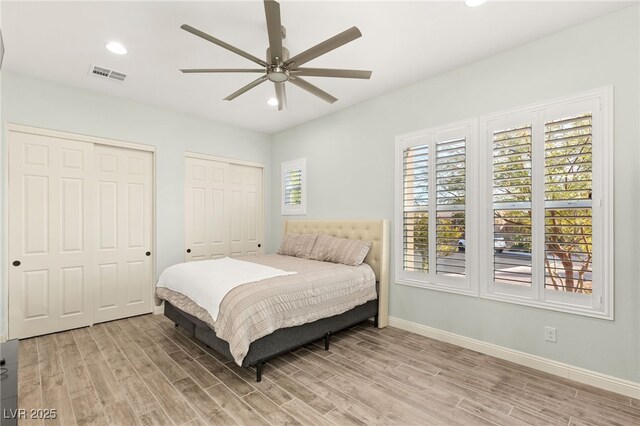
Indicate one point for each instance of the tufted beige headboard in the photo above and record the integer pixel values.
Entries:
(376, 231)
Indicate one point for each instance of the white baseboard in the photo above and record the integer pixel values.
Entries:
(582, 375)
(158, 310)
(3, 338)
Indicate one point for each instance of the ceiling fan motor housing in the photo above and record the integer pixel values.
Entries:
(278, 73)
(285, 53)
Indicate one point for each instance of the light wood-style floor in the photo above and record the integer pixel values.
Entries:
(143, 370)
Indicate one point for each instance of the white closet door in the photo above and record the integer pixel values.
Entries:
(206, 209)
(50, 228)
(246, 226)
(123, 186)
(223, 209)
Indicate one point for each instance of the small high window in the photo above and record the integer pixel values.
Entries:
(294, 187)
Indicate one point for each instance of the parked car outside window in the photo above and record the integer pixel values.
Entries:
(498, 245)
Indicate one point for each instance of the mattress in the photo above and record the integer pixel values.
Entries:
(254, 310)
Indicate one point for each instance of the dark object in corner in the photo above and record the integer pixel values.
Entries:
(9, 382)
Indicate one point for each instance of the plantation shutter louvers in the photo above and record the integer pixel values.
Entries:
(293, 187)
(450, 207)
(568, 205)
(445, 162)
(415, 208)
(512, 188)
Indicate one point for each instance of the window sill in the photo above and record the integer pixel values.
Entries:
(447, 288)
(550, 306)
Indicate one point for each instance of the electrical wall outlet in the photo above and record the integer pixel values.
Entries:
(550, 334)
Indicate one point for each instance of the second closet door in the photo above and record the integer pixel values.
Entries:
(245, 237)
(206, 209)
(123, 252)
(223, 209)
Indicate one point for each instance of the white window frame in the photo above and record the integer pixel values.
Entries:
(463, 285)
(600, 303)
(479, 207)
(288, 166)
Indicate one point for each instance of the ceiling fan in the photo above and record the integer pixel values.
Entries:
(278, 66)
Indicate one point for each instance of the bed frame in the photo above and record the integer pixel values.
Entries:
(287, 339)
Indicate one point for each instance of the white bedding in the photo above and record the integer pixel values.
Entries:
(206, 282)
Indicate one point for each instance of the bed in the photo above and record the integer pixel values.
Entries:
(283, 340)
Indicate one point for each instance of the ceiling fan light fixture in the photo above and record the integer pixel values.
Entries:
(474, 3)
(273, 101)
(277, 74)
(117, 48)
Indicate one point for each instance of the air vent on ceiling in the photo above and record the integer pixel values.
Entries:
(106, 73)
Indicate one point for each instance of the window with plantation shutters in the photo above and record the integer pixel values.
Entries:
(548, 182)
(294, 187)
(433, 207)
(515, 207)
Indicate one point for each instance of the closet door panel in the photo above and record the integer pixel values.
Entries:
(107, 215)
(248, 218)
(35, 287)
(206, 209)
(217, 226)
(50, 214)
(135, 292)
(252, 223)
(107, 281)
(36, 214)
(223, 209)
(136, 216)
(71, 215)
(72, 289)
(124, 179)
(237, 221)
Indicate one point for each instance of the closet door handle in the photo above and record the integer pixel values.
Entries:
(259, 245)
(16, 263)
(188, 250)
(148, 253)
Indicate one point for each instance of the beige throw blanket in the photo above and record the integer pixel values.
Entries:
(254, 310)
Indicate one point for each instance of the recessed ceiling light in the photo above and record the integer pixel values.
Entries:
(474, 3)
(273, 102)
(117, 48)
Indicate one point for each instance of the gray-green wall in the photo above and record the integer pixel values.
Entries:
(351, 175)
(350, 163)
(38, 103)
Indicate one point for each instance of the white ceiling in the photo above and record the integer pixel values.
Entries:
(403, 42)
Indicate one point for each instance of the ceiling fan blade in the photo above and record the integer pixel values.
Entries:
(305, 85)
(246, 88)
(326, 72)
(272, 13)
(324, 47)
(281, 95)
(222, 44)
(207, 70)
